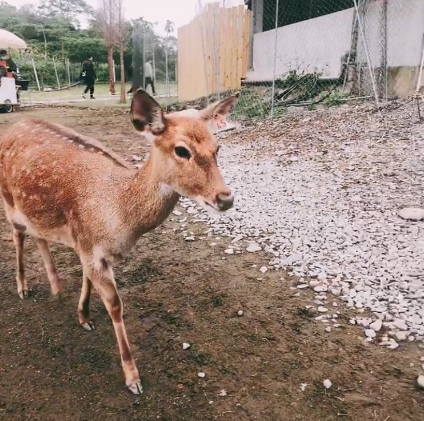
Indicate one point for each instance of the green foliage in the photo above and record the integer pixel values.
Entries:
(68, 8)
(52, 31)
(335, 99)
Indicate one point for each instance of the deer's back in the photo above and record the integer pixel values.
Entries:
(53, 180)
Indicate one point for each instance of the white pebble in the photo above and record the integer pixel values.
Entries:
(420, 381)
(201, 375)
(186, 345)
(327, 383)
(240, 313)
(414, 214)
(253, 247)
(370, 333)
(377, 325)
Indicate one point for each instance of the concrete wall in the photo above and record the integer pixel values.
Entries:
(313, 45)
(319, 44)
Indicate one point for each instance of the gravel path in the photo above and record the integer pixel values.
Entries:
(320, 191)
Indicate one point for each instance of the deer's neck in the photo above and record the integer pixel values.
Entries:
(147, 201)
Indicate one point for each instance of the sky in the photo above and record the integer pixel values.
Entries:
(180, 12)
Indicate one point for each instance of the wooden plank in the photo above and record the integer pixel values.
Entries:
(207, 28)
(246, 41)
(228, 50)
(240, 27)
(222, 47)
(233, 35)
(197, 67)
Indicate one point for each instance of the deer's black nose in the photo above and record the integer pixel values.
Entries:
(224, 201)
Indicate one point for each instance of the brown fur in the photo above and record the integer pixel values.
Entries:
(60, 186)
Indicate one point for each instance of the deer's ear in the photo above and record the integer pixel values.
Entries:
(222, 108)
(146, 113)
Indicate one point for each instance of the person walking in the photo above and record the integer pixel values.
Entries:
(89, 76)
(148, 76)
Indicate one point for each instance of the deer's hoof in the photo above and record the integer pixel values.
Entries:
(59, 296)
(88, 326)
(23, 295)
(135, 388)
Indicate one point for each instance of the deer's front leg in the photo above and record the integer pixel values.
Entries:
(84, 304)
(103, 280)
(19, 239)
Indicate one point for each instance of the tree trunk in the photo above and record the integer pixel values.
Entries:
(123, 98)
(111, 70)
(166, 69)
(45, 46)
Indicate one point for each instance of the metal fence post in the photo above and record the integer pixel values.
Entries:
(275, 60)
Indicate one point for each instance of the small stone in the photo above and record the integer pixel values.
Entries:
(320, 288)
(376, 326)
(303, 386)
(328, 329)
(414, 214)
(322, 309)
(253, 247)
(189, 238)
(322, 276)
(222, 393)
(302, 286)
(292, 259)
(263, 269)
(352, 321)
(370, 333)
(186, 345)
(201, 375)
(420, 381)
(400, 324)
(401, 336)
(240, 313)
(229, 251)
(177, 213)
(327, 383)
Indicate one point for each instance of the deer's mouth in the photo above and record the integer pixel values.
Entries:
(215, 208)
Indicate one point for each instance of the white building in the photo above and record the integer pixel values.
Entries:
(319, 36)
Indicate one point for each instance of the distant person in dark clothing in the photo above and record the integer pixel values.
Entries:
(89, 76)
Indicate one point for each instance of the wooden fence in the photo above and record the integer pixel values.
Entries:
(213, 51)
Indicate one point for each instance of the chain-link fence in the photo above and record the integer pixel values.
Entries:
(289, 53)
(46, 73)
(155, 60)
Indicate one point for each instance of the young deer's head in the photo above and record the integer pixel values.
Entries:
(184, 150)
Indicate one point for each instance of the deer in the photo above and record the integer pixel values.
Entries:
(59, 186)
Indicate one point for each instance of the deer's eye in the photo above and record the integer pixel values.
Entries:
(182, 152)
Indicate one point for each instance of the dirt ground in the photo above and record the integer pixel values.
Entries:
(175, 292)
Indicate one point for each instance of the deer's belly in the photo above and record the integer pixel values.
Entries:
(22, 223)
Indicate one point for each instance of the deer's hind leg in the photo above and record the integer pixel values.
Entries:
(19, 240)
(55, 283)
